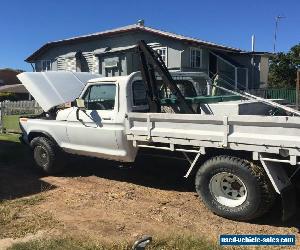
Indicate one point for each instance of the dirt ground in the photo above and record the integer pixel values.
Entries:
(99, 199)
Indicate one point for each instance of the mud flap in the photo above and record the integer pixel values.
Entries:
(282, 185)
(289, 202)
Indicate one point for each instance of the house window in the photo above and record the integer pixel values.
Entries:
(139, 93)
(81, 64)
(196, 58)
(162, 51)
(46, 65)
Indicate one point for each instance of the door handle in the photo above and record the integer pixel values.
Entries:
(106, 118)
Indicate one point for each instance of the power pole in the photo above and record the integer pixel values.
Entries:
(297, 89)
(252, 60)
(277, 19)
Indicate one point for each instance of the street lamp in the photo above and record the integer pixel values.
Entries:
(277, 19)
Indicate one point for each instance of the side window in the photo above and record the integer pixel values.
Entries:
(196, 58)
(162, 51)
(100, 97)
(139, 93)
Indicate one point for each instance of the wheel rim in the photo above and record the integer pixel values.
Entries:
(228, 189)
(41, 156)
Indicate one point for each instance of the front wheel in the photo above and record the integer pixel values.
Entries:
(47, 155)
(234, 188)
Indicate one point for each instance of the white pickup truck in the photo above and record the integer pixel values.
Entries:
(240, 156)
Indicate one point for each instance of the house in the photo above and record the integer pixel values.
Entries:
(112, 52)
(10, 86)
(9, 76)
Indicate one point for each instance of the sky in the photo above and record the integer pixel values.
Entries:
(26, 25)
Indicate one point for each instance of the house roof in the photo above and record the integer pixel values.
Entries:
(9, 76)
(13, 88)
(133, 27)
(258, 53)
(229, 59)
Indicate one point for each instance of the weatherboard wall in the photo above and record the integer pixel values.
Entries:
(178, 55)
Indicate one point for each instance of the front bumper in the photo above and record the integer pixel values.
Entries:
(24, 137)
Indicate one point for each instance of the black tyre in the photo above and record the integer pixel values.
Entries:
(234, 188)
(47, 155)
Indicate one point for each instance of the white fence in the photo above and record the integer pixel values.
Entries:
(20, 107)
(11, 110)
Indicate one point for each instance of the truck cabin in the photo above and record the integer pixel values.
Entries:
(102, 95)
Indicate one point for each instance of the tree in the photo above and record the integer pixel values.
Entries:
(283, 68)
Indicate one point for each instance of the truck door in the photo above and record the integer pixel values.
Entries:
(94, 133)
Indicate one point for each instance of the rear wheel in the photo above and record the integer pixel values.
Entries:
(47, 155)
(234, 188)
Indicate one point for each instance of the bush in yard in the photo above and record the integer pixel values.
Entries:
(283, 68)
(8, 96)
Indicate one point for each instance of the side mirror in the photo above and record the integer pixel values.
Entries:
(80, 103)
(80, 106)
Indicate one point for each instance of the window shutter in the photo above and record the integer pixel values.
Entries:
(61, 63)
(70, 63)
(97, 64)
(90, 58)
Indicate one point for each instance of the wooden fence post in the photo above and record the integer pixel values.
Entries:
(1, 116)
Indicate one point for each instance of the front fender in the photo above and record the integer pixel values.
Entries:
(52, 129)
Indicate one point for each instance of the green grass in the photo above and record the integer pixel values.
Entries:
(183, 242)
(179, 242)
(9, 138)
(11, 123)
(18, 220)
(11, 150)
(63, 244)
